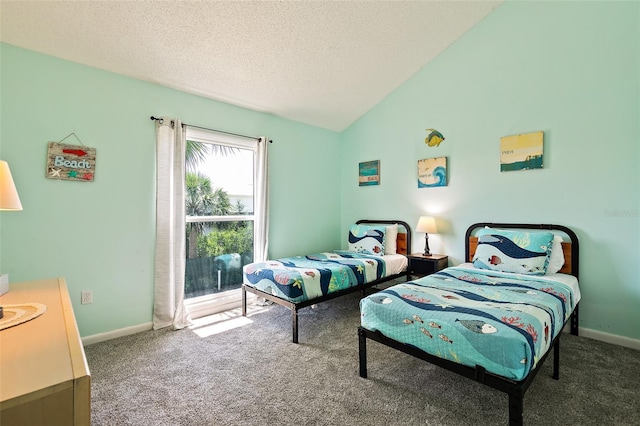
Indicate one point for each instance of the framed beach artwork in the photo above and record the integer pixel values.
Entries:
(432, 172)
(521, 152)
(369, 173)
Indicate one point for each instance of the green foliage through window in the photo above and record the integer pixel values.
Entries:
(216, 251)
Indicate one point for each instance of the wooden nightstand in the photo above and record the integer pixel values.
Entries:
(421, 265)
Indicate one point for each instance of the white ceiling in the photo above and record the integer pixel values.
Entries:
(324, 63)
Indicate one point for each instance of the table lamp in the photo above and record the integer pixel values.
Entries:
(426, 224)
(9, 201)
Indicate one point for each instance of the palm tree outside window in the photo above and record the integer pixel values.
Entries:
(219, 182)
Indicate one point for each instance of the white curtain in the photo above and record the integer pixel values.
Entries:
(168, 307)
(261, 203)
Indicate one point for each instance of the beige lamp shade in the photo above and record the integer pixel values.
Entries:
(427, 224)
(9, 199)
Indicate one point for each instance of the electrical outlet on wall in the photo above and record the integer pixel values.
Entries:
(4, 284)
(87, 297)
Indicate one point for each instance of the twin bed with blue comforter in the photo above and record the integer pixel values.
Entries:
(493, 320)
(377, 254)
(303, 278)
(475, 317)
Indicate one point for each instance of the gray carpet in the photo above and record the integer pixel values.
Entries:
(254, 375)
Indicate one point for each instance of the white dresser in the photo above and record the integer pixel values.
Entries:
(44, 376)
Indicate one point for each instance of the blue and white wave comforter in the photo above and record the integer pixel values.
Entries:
(303, 278)
(503, 322)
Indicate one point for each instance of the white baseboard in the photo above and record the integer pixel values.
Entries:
(609, 338)
(584, 332)
(88, 340)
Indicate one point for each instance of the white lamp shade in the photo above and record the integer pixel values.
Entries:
(427, 224)
(9, 199)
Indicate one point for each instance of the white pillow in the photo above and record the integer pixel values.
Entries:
(556, 261)
(391, 237)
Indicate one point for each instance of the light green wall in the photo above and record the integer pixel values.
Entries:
(100, 235)
(570, 69)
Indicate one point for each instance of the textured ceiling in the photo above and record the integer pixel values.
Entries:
(318, 62)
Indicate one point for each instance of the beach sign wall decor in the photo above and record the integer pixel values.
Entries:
(71, 162)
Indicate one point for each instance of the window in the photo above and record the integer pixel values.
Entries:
(220, 177)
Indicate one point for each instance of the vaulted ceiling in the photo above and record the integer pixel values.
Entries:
(323, 63)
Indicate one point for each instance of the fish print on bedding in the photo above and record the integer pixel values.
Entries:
(303, 278)
(474, 317)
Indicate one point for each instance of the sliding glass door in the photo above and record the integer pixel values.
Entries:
(219, 198)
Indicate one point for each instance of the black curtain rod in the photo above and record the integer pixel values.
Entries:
(212, 130)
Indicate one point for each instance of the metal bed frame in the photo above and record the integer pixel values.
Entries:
(514, 389)
(295, 307)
